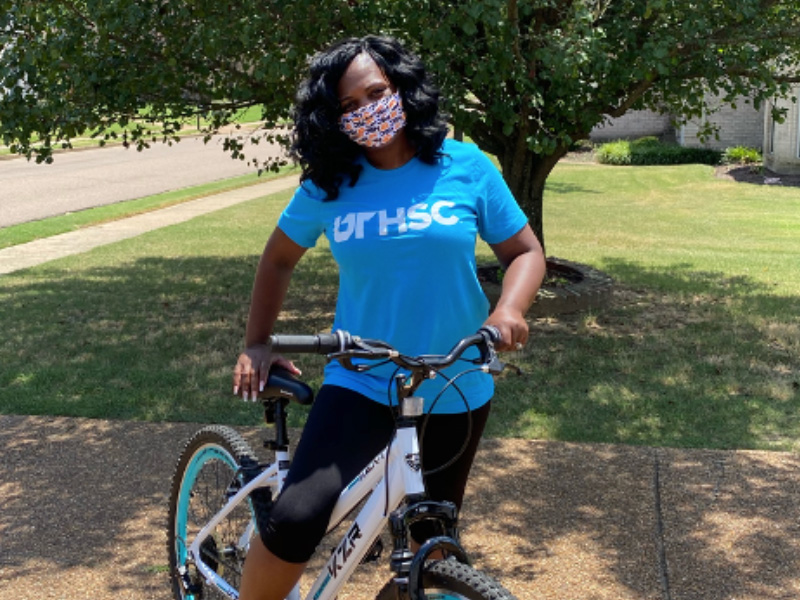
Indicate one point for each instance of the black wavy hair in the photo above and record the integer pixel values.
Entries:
(326, 155)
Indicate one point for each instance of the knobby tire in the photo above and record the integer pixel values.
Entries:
(207, 466)
(452, 580)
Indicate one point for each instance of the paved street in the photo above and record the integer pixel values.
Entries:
(94, 177)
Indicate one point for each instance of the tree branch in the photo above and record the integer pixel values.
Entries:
(634, 94)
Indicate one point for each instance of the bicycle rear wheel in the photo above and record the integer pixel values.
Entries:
(452, 580)
(206, 470)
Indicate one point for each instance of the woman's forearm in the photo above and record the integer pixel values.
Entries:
(521, 281)
(273, 276)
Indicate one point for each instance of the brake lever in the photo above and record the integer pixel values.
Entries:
(494, 365)
(519, 372)
(366, 351)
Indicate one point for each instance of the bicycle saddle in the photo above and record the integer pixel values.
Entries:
(282, 384)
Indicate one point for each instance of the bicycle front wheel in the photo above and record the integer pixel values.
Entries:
(206, 474)
(452, 580)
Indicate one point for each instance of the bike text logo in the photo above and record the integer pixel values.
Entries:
(343, 552)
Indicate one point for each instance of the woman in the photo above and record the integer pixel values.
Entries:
(401, 207)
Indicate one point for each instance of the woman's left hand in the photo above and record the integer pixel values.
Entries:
(512, 326)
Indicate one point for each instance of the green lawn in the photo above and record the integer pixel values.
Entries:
(700, 346)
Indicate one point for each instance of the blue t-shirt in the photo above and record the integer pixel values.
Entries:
(404, 240)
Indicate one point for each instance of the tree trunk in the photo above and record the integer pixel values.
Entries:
(526, 173)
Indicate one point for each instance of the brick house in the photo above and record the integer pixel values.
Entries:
(740, 126)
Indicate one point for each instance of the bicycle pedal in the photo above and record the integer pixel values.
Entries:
(374, 553)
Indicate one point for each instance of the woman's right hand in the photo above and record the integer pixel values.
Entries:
(252, 369)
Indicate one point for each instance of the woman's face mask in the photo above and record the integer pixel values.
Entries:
(376, 124)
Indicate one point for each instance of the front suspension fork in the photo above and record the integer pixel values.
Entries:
(408, 566)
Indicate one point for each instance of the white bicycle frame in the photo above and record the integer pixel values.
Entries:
(404, 478)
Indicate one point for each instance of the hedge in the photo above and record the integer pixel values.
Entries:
(650, 151)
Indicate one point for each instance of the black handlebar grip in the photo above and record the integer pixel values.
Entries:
(494, 333)
(322, 343)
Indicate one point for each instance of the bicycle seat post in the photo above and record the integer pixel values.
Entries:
(275, 413)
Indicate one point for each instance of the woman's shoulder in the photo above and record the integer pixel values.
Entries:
(467, 155)
(459, 149)
(310, 191)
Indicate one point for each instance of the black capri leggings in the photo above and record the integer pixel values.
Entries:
(344, 431)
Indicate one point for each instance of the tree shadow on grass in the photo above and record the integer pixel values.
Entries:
(558, 187)
(679, 358)
(153, 339)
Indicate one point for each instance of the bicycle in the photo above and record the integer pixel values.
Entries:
(221, 492)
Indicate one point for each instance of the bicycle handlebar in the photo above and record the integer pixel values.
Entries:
(321, 343)
(344, 347)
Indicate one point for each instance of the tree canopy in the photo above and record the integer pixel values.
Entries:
(524, 79)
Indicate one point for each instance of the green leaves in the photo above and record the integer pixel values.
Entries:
(524, 79)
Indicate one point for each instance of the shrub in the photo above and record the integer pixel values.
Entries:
(650, 151)
(614, 153)
(742, 155)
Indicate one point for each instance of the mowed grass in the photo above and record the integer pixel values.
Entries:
(701, 344)
(699, 347)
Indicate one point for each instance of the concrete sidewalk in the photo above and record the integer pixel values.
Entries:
(84, 510)
(40, 251)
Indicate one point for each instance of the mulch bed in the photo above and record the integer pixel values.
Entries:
(756, 175)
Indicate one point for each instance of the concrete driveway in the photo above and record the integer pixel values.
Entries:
(84, 510)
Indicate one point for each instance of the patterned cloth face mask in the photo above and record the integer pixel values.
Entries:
(376, 124)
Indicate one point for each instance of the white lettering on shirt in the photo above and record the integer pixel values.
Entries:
(437, 215)
(342, 235)
(417, 218)
(399, 221)
(354, 223)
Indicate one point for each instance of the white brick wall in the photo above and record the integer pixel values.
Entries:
(743, 126)
(740, 126)
(632, 125)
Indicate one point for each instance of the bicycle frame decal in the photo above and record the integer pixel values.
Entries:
(367, 470)
(344, 550)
